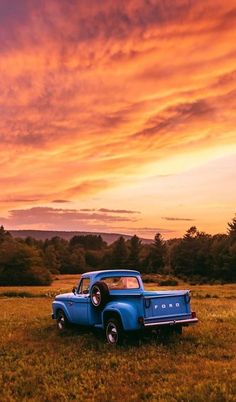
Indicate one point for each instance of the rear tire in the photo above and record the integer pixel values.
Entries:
(114, 332)
(62, 322)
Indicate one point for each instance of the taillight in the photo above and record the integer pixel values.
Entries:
(194, 315)
(187, 297)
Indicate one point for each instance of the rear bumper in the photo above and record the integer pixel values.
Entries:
(184, 322)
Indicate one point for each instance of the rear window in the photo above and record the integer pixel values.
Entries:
(121, 282)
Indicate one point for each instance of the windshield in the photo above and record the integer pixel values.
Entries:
(121, 282)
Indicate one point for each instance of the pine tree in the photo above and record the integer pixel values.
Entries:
(135, 247)
(4, 235)
(119, 254)
(157, 254)
(191, 233)
(232, 229)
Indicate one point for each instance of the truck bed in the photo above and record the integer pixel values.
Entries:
(167, 307)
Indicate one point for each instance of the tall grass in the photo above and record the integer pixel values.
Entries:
(38, 364)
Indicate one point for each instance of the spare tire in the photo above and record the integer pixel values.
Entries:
(99, 294)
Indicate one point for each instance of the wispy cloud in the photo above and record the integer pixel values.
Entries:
(18, 200)
(118, 211)
(60, 201)
(88, 209)
(111, 211)
(148, 232)
(58, 217)
(169, 218)
(96, 96)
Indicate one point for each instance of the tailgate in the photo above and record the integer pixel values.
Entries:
(167, 306)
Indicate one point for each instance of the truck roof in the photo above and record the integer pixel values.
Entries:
(112, 272)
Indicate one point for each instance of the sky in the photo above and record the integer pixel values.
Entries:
(118, 116)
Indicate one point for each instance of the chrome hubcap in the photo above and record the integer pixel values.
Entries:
(96, 296)
(61, 322)
(112, 333)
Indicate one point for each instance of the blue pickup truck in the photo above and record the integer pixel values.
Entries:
(116, 302)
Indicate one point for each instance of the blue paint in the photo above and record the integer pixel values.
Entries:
(135, 308)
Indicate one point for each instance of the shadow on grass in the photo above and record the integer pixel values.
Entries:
(95, 337)
(48, 336)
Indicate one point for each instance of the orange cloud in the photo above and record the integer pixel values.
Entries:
(96, 97)
(60, 217)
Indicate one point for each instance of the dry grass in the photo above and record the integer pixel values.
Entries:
(61, 284)
(38, 364)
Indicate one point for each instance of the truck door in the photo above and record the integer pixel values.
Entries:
(79, 302)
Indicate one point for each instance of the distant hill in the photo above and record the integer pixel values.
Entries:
(48, 234)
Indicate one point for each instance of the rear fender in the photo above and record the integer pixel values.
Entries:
(127, 313)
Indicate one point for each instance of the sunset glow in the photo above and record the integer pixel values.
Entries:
(118, 116)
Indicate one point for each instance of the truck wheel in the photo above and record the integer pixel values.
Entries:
(99, 294)
(114, 332)
(62, 322)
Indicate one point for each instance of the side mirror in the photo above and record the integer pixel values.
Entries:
(74, 290)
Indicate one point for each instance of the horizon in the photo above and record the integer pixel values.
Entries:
(129, 235)
(118, 117)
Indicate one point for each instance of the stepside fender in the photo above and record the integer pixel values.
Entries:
(127, 313)
(59, 305)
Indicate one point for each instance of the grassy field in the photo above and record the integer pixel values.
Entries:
(38, 364)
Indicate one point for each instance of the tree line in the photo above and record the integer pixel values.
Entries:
(196, 257)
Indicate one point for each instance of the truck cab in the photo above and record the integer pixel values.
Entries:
(116, 302)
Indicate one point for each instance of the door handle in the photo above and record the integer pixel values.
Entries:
(70, 303)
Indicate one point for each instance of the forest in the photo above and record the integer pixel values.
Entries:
(197, 257)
